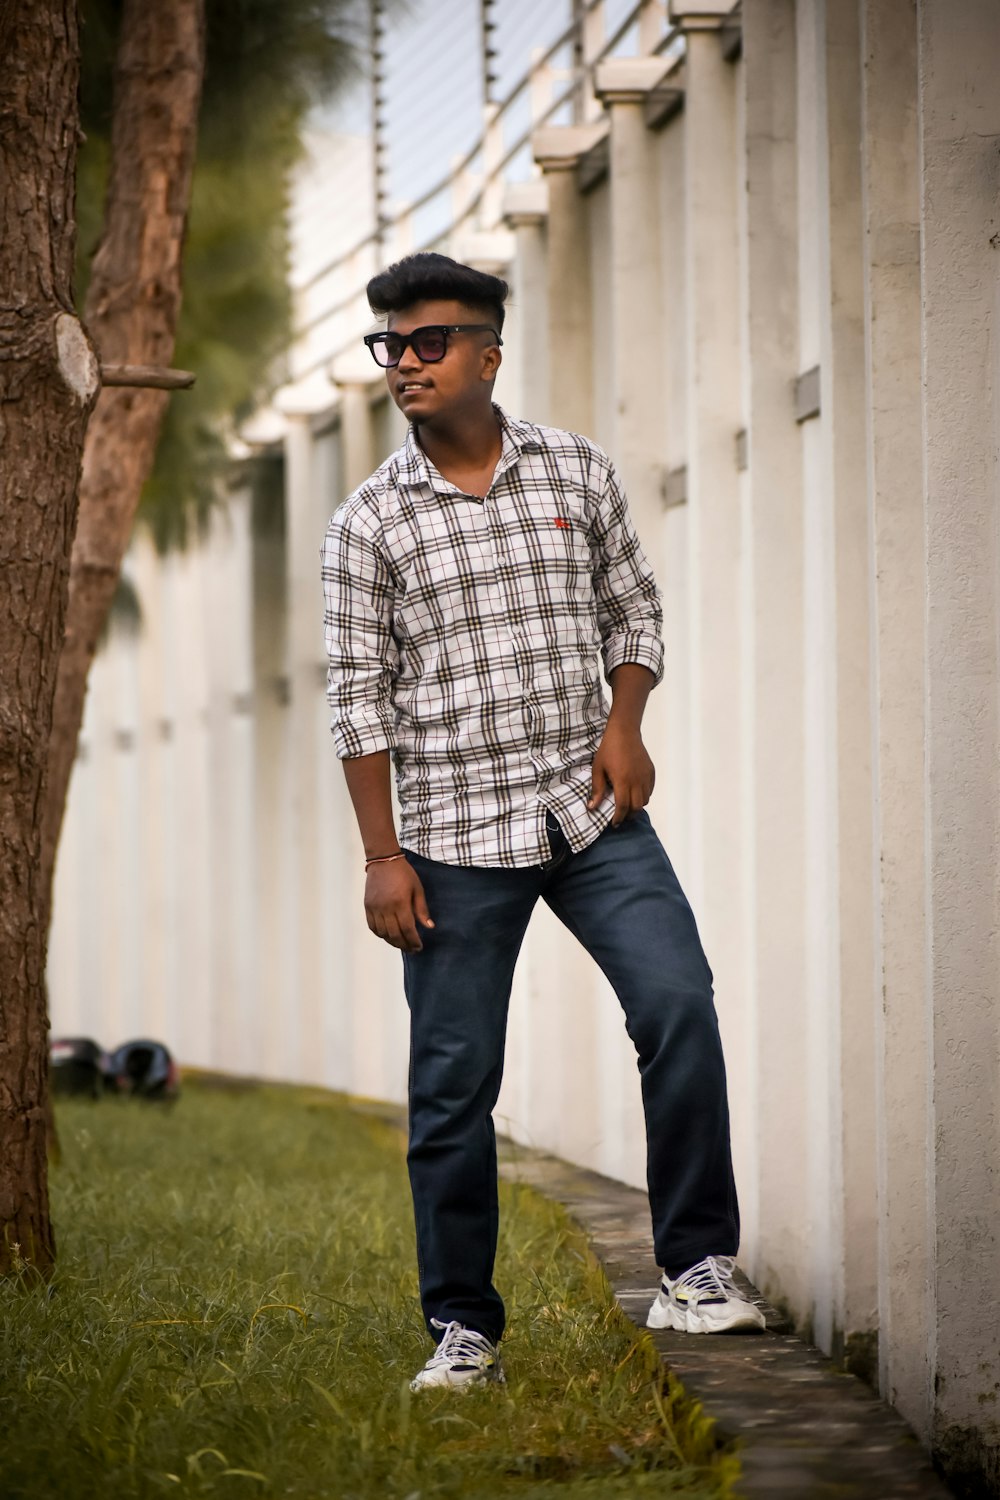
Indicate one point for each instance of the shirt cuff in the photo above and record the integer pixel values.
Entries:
(355, 737)
(635, 646)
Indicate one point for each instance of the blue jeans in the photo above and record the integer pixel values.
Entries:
(621, 899)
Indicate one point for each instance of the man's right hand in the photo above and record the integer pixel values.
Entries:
(395, 903)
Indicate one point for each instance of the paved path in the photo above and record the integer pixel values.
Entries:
(806, 1430)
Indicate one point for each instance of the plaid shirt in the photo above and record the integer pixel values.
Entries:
(463, 635)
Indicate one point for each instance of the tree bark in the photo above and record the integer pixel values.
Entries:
(48, 382)
(133, 303)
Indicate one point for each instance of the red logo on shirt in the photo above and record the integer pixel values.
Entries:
(562, 523)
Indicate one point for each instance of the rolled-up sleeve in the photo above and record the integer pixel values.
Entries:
(358, 591)
(629, 611)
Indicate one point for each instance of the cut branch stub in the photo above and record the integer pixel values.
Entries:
(152, 377)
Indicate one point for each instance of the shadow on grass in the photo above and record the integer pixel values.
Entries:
(234, 1314)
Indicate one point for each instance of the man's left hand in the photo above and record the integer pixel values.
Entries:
(623, 765)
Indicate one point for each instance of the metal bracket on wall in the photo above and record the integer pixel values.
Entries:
(675, 487)
(807, 395)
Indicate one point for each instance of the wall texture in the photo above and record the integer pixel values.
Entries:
(756, 255)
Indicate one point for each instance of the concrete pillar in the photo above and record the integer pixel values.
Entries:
(634, 354)
(775, 692)
(270, 700)
(959, 119)
(157, 730)
(228, 648)
(373, 981)
(713, 416)
(592, 37)
(652, 24)
(671, 703)
(357, 435)
(844, 1040)
(339, 920)
(126, 876)
(557, 150)
(491, 205)
(526, 214)
(187, 801)
(637, 359)
(303, 983)
(891, 183)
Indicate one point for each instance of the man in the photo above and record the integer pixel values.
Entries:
(470, 583)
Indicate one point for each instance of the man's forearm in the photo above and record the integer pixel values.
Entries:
(631, 685)
(369, 782)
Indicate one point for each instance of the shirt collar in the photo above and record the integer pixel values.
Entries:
(415, 468)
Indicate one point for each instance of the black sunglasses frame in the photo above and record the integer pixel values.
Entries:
(408, 340)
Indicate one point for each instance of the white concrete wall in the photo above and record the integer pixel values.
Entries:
(827, 732)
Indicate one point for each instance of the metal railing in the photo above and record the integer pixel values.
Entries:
(537, 76)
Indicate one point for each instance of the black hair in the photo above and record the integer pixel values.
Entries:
(428, 276)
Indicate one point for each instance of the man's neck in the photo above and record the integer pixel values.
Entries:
(471, 442)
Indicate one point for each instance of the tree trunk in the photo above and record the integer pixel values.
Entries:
(131, 312)
(48, 381)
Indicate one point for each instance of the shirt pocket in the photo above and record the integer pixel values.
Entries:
(559, 564)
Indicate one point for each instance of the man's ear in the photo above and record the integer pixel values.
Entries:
(492, 360)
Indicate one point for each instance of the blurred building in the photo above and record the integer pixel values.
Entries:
(754, 253)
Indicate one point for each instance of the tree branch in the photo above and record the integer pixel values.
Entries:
(153, 377)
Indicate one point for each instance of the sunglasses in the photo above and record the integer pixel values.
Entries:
(429, 344)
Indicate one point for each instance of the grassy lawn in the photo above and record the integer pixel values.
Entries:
(234, 1314)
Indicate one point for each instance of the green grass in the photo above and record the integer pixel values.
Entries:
(234, 1314)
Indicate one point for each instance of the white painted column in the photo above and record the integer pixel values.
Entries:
(633, 355)
(372, 971)
(775, 1023)
(526, 207)
(637, 357)
(891, 184)
(638, 347)
(302, 970)
(671, 705)
(187, 794)
(958, 48)
(270, 1041)
(714, 415)
(845, 1045)
(229, 648)
(557, 150)
(126, 876)
(157, 731)
(338, 918)
(357, 434)
(593, 35)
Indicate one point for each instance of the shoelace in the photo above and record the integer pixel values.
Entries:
(713, 1275)
(460, 1345)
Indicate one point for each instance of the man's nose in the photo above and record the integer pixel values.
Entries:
(409, 359)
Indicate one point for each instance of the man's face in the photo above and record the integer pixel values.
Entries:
(444, 387)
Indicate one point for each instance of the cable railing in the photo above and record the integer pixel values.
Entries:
(488, 180)
(463, 163)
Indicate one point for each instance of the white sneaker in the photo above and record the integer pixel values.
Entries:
(704, 1300)
(463, 1358)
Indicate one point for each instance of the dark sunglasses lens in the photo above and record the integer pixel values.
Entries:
(430, 344)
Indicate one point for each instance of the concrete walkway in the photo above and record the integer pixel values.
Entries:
(805, 1429)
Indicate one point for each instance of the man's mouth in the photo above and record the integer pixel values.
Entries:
(412, 385)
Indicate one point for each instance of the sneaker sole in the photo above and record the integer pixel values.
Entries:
(475, 1381)
(666, 1315)
(476, 1384)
